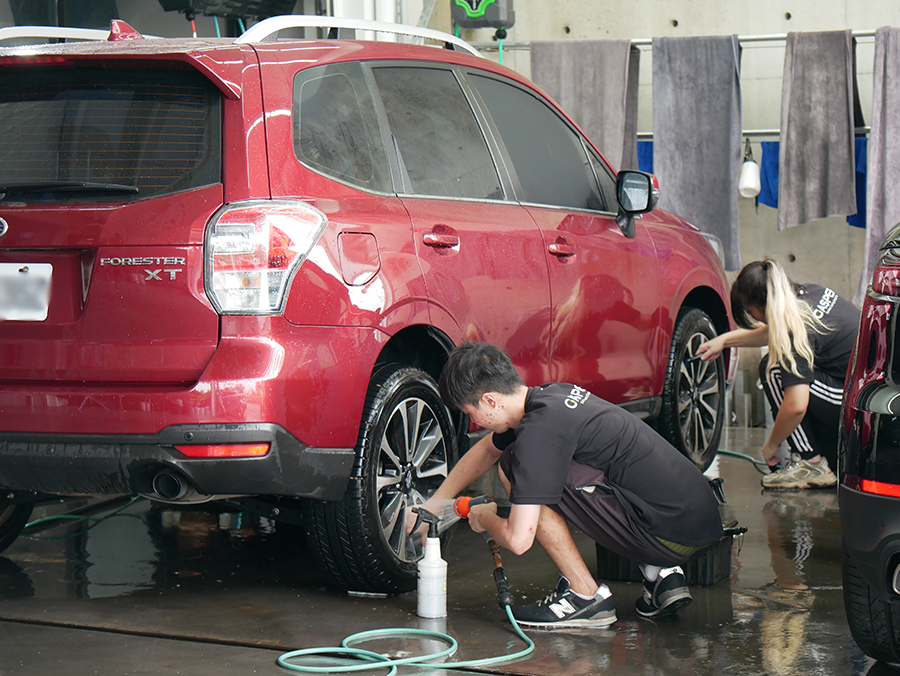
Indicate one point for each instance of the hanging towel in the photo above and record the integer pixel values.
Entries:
(768, 174)
(697, 133)
(596, 83)
(645, 156)
(819, 103)
(882, 196)
(858, 220)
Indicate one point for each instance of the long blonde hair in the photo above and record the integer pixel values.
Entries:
(764, 284)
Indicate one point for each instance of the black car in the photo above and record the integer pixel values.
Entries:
(869, 466)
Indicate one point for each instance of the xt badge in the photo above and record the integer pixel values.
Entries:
(154, 274)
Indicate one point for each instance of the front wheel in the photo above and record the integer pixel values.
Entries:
(693, 406)
(405, 450)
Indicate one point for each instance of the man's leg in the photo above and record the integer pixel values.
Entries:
(578, 601)
(554, 536)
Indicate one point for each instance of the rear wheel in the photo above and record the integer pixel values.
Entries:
(874, 624)
(406, 448)
(693, 406)
(13, 518)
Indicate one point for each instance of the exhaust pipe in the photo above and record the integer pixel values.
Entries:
(170, 486)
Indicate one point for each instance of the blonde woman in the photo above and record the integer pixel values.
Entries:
(810, 332)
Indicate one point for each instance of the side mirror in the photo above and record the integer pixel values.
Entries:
(636, 193)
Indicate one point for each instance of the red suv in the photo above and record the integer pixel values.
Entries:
(233, 269)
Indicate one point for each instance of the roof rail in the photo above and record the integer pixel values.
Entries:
(52, 32)
(118, 31)
(268, 27)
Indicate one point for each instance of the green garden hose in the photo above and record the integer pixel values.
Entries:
(373, 660)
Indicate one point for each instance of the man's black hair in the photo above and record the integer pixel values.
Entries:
(473, 369)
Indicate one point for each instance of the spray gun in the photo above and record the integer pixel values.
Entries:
(461, 506)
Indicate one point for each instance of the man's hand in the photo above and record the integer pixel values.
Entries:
(477, 512)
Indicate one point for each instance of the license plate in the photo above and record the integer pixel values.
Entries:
(25, 291)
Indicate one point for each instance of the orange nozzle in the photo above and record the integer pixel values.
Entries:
(461, 507)
(463, 504)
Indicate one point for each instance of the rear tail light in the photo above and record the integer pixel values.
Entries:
(886, 279)
(224, 450)
(253, 250)
(874, 487)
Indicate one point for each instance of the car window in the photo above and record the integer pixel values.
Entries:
(546, 153)
(89, 134)
(439, 143)
(335, 126)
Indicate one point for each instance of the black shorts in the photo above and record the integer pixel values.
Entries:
(589, 504)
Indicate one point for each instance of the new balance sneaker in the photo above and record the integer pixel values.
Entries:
(665, 596)
(565, 609)
(799, 473)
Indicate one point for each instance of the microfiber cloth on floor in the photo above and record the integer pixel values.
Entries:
(697, 133)
(596, 84)
(819, 106)
(882, 196)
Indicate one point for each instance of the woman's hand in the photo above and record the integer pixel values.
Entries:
(768, 453)
(711, 349)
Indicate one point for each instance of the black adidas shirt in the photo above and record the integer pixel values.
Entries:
(661, 489)
(831, 349)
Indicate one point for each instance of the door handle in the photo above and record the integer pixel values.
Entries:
(561, 249)
(440, 241)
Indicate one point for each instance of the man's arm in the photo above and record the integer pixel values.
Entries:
(474, 463)
(516, 533)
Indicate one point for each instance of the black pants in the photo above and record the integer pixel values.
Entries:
(589, 504)
(817, 433)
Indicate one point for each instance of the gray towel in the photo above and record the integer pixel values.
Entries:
(697, 133)
(817, 172)
(882, 196)
(596, 83)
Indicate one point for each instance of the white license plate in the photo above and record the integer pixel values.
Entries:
(25, 291)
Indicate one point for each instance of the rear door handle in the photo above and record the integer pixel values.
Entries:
(439, 241)
(561, 249)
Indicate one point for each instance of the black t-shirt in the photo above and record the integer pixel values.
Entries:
(831, 349)
(661, 489)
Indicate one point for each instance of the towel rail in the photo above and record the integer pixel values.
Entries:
(647, 42)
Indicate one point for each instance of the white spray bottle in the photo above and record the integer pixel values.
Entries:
(432, 572)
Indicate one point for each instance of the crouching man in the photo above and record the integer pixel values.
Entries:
(568, 457)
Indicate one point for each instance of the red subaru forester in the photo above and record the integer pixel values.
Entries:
(233, 269)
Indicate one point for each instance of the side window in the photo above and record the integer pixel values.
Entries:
(336, 128)
(438, 141)
(547, 154)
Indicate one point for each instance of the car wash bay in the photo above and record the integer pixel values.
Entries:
(202, 591)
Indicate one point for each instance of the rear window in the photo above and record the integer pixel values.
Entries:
(101, 135)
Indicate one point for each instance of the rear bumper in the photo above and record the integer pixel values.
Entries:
(72, 464)
(871, 532)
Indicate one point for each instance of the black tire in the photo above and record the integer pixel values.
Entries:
(693, 400)
(13, 518)
(406, 448)
(874, 623)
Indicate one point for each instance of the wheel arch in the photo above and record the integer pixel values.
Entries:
(427, 348)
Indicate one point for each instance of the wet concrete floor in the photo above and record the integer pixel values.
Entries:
(197, 591)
